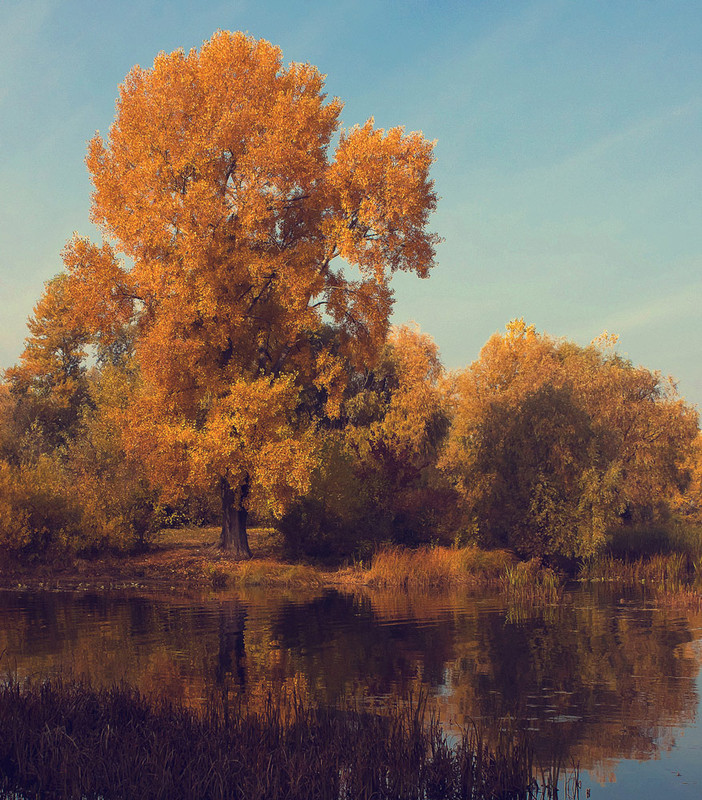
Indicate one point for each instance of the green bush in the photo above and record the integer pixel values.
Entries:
(645, 541)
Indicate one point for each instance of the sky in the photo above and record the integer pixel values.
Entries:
(568, 150)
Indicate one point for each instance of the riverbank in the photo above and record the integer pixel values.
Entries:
(179, 558)
(190, 559)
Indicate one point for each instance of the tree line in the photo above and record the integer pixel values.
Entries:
(227, 346)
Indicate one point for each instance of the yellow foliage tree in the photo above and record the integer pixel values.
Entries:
(552, 444)
(377, 478)
(399, 408)
(119, 508)
(243, 237)
(397, 422)
(38, 507)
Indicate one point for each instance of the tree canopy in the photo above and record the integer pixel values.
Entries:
(236, 226)
(230, 336)
(553, 444)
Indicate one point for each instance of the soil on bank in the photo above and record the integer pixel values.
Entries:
(184, 557)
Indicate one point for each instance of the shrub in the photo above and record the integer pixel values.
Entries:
(38, 508)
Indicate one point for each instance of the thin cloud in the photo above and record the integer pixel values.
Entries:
(641, 131)
(678, 305)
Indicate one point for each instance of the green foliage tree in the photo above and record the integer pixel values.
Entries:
(377, 479)
(48, 386)
(552, 444)
(60, 428)
(119, 508)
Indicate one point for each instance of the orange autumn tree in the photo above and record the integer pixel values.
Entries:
(233, 236)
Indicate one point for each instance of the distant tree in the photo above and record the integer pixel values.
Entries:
(687, 504)
(243, 238)
(119, 508)
(48, 385)
(396, 425)
(39, 511)
(67, 482)
(553, 444)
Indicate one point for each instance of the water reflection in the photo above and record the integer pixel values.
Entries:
(596, 678)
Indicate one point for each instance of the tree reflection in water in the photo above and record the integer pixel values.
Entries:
(596, 678)
(231, 658)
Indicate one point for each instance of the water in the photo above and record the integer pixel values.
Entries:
(602, 680)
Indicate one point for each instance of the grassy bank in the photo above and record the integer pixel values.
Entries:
(68, 740)
(183, 557)
(190, 557)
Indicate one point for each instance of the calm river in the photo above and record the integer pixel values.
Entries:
(601, 679)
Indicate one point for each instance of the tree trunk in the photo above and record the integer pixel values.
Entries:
(234, 538)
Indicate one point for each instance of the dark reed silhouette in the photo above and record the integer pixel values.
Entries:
(66, 739)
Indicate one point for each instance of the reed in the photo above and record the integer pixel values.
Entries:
(672, 579)
(436, 567)
(62, 739)
(663, 571)
(531, 581)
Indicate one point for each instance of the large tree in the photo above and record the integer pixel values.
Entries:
(232, 236)
(553, 444)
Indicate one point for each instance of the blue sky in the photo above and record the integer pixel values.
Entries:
(569, 157)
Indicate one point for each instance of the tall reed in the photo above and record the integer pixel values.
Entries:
(662, 571)
(62, 739)
(531, 581)
(436, 567)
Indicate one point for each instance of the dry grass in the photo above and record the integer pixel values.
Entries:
(261, 572)
(69, 740)
(436, 567)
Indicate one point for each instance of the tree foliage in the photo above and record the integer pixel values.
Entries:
(553, 444)
(243, 236)
(48, 385)
(377, 479)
